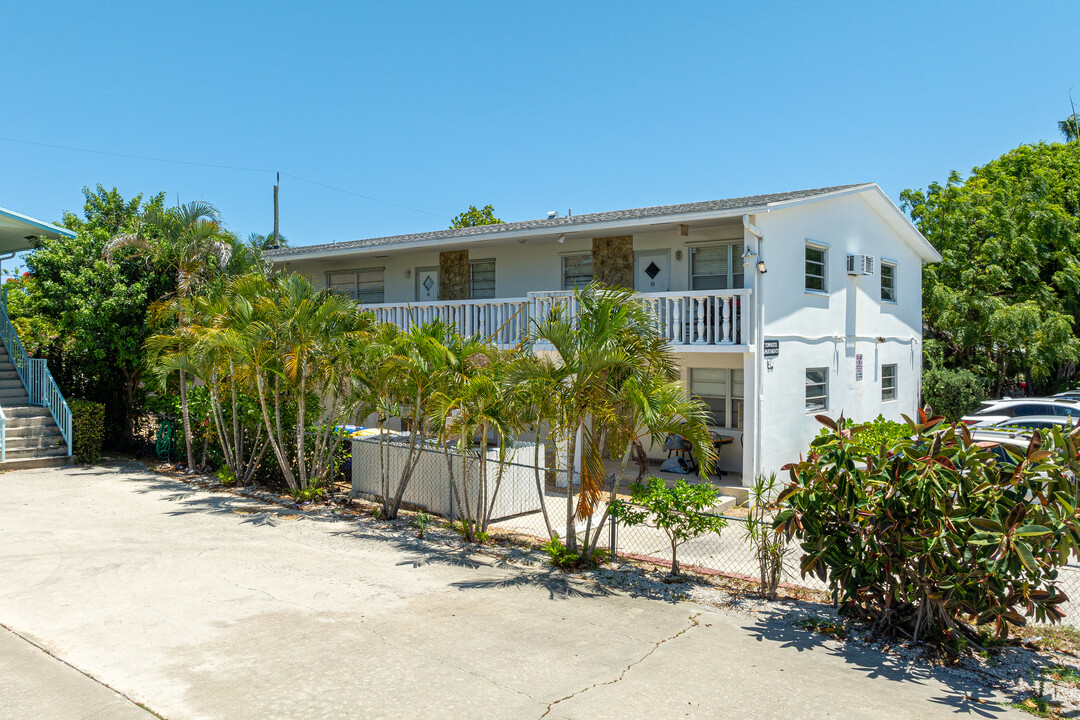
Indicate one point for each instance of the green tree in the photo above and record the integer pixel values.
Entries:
(1005, 299)
(682, 511)
(473, 217)
(89, 317)
(189, 242)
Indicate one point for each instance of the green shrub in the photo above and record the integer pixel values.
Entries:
(952, 393)
(932, 536)
(872, 434)
(558, 555)
(681, 511)
(87, 429)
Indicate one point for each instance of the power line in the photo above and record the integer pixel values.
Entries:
(220, 167)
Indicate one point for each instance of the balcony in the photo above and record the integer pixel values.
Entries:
(692, 320)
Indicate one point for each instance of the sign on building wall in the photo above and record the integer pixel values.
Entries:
(858, 367)
(771, 348)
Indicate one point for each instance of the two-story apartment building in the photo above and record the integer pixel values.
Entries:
(778, 307)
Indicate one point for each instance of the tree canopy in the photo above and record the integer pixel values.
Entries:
(1004, 301)
(86, 315)
(473, 217)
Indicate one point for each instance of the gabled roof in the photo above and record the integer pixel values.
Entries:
(727, 207)
(16, 228)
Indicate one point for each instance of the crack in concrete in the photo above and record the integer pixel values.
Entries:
(693, 624)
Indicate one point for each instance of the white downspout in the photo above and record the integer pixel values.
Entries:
(759, 342)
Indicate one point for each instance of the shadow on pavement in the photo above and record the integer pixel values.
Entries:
(968, 693)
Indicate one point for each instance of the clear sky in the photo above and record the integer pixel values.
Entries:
(528, 106)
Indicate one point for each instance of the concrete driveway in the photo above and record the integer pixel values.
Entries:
(118, 586)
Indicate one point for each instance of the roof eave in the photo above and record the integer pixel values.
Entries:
(554, 231)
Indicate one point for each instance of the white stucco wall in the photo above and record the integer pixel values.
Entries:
(831, 329)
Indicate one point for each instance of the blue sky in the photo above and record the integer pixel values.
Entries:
(530, 107)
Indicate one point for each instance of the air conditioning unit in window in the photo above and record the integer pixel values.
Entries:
(860, 264)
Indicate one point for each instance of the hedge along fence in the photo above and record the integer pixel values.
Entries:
(87, 429)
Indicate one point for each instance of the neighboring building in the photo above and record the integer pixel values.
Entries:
(35, 420)
(779, 307)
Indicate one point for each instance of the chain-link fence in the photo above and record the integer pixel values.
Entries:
(523, 497)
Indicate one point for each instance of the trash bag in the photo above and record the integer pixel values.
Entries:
(675, 465)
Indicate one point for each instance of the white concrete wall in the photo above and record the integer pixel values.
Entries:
(831, 329)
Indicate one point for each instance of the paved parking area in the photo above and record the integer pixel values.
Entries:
(144, 590)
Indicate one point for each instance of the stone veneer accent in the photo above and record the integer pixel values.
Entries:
(454, 275)
(613, 260)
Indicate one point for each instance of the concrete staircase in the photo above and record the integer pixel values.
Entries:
(33, 438)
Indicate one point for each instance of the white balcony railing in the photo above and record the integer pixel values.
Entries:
(689, 319)
(504, 320)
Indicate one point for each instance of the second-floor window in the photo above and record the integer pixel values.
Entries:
(481, 279)
(716, 267)
(576, 271)
(721, 390)
(815, 268)
(888, 282)
(365, 286)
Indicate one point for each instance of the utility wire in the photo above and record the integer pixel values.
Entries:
(221, 167)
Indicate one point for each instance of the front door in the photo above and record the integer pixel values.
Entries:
(427, 284)
(652, 271)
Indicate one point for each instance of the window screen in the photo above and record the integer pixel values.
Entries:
(576, 271)
(888, 382)
(716, 267)
(721, 390)
(815, 268)
(481, 279)
(365, 286)
(817, 389)
(888, 282)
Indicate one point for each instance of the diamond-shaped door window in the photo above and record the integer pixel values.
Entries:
(428, 283)
(652, 271)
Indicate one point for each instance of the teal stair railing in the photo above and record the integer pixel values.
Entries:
(41, 388)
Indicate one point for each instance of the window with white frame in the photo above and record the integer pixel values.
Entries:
(815, 268)
(888, 382)
(817, 389)
(888, 282)
(481, 279)
(716, 267)
(721, 389)
(365, 286)
(576, 271)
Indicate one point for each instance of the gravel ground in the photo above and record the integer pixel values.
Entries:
(1022, 671)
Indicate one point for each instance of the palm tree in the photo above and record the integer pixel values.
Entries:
(1070, 127)
(586, 360)
(190, 242)
(649, 407)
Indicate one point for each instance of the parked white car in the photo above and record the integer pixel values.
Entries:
(1026, 423)
(1007, 409)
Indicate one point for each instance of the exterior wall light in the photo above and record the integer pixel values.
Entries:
(761, 267)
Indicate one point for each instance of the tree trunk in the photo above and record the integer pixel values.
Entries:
(539, 485)
(571, 535)
(187, 422)
(674, 559)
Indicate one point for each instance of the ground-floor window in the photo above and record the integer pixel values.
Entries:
(721, 389)
(817, 389)
(888, 382)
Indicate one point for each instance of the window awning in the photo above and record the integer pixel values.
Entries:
(18, 230)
